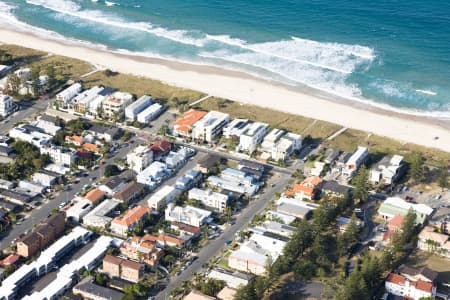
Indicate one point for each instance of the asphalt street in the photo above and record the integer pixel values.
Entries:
(215, 246)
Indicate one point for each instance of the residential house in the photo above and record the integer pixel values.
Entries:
(140, 158)
(227, 293)
(31, 187)
(183, 127)
(112, 185)
(7, 105)
(68, 94)
(122, 268)
(210, 126)
(150, 113)
(91, 147)
(414, 274)
(30, 135)
(287, 144)
(87, 289)
(142, 249)
(333, 189)
(134, 217)
(153, 175)
(355, 161)
(185, 229)
(16, 197)
(252, 137)
(44, 179)
(188, 180)
(82, 101)
(163, 197)
(208, 163)
(433, 242)
(77, 140)
(208, 198)
(108, 134)
(307, 189)
(132, 110)
(165, 240)
(131, 192)
(100, 215)
(196, 295)
(94, 196)
(60, 155)
(235, 128)
(271, 139)
(7, 185)
(394, 206)
(400, 286)
(296, 208)
(160, 149)
(189, 215)
(236, 181)
(233, 279)
(79, 209)
(388, 171)
(175, 159)
(116, 103)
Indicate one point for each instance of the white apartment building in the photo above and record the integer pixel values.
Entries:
(162, 197)
(150, 113)
(82, 101)
(401, 286)
(44, 179)
(286, 145)
(355, 161)
(153, 175)
(33, 137)
(388, 170)
(116, 103)
(140, 158)
(6, 105)
(271, 139)
(235, 128)
(210, 126)
(60, 155)
(132, 110)
(188, 215)
(209, 198)
(252, 136)
(69, 93)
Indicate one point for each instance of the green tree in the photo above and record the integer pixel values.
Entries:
(442, 177)
(409, 228)
(246, 292)
(304, 270)
(5, 57)
(35, 82)
(354, 288)
(13, 83)
(111, 170)
(101, 279)
(417, 167)
(361, 183)
(211, 287)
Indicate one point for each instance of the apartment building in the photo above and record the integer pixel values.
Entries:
(122, 268)
(6, 105)
(210, 126)
(140, 158)
(355, 161)
(125, 224)
(252, 136)
(150, 113)
(162, 197)
(60, 155)
(183, 126)
(217, 201)
(188, 215)
(68, 94)
(116, 103)
(132, 110)
(388, 171)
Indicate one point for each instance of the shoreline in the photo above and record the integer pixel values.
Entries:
(246, 88)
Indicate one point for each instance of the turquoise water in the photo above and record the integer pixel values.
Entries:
(394, 53)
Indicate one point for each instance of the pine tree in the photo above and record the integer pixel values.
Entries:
(361, 183)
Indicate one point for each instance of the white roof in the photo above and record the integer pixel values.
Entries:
(82, 206)
(254, 128)
(143, 101)
(212, 119)
(71, 89)
(356, 155)
(150, 110)
(88, 95)
(399, 202)
(230, 279)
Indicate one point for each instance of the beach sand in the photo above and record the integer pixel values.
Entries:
(244, 88)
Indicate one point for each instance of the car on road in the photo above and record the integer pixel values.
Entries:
(227, 242)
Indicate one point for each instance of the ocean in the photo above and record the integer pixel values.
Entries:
(393, 54)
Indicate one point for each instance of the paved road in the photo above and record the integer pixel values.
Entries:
(26, 111)
(215, 246)
(41, 212)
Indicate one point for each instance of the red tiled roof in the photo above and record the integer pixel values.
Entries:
(160, 147)
(74, 139)
(396, 279)
(424, 286)
(190, 118)
(306, 187)
(418, 285)
(132, 216)
(396, 222)
(95, 195)
(11, 259)
(91, 147)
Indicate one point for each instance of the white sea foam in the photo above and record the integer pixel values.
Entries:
(109, 3)
(180, 36)
(427, 92)
(226, 39)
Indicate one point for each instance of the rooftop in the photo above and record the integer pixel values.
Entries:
(95, 195)
(190, 118)
(132, 216)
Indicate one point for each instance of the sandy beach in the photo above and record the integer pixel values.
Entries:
(247, 89)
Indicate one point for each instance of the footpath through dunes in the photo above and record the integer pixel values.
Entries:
(247, 89)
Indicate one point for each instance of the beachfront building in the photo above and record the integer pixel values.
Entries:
(6, 105)
(183, 126)
(279, 144)
(60, 155)
(395, 206)
(388, 171)
(140, 158)
(355, 161)
(217, 201)
(68, 94)
(188, 215)
(132, 110)
(210, 126)
(252, 136)
(81, 102)
(135, 216)
(401, 286)
(116, 103)
(150, 113)
(235, 128)
(162, 197)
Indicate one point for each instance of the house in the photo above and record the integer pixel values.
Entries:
(9, 206)
(7, 185)
(31, 187)
(279, 144)
(274, 228)
(233, 279)
(7, 105)
(160, 148)
(116, 103)
(296, 208)
(15, 197)
(30, 135)
(91, 147)
(188, 180)
(252, 136)
(122, 268)
(226, 293)
(60, 155)
(153, 175)
(42, 236)
(388, 171)
(134, 217)
(210, 126)
(130, 192)
(208, 198)
(236, 181)
(112, 185)
(68, 94)
(6, 151)
(400, 286)
(394, 206)
(165, 240)
(163, 197)
(108, 134)
(434, 242)
(196, 295)
(44, 179)
(87, 289)
(331, 155)
(185, 229)
(100, 215)
(188, 215)
(208, 163)
(150, 113)
(140, 158)
(46, 127)
(414, 274)
(142, 249)
(333, 189)
(94, 196)
(75, 139)
(132, 110)
(355, 161)
(307, 189)
(79, 209)
(175, 159)
(271, 139)
(235, 128)
(183, 127)
(82, 102)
